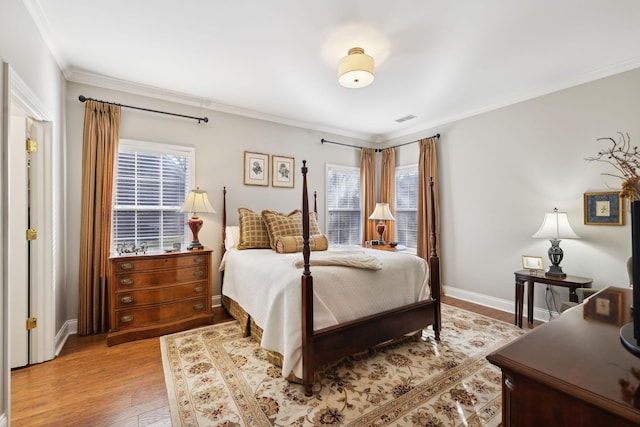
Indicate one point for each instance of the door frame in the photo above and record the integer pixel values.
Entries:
(16, 94)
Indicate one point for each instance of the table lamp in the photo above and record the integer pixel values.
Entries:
(382, 213)
(555, 226)
(196, 202)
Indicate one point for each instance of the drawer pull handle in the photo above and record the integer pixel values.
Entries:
(127, 299)
(198, 259)
(126, 266)
(198, 289)
(126, 319)
(126, 281)
(198, 306)
(198, 273)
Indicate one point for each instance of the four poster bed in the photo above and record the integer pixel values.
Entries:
(362, 297)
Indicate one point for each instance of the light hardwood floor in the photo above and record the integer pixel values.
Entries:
(90, 384)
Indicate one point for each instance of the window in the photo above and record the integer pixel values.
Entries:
(152, 182)
(343, 205)
(407, 205)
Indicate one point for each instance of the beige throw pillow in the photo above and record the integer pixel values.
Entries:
(314, 228)
(253, 231)
(290, 244)
(279, 224)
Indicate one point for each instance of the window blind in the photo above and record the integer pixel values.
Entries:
(152, 182)
(406, 212)
(343, 205)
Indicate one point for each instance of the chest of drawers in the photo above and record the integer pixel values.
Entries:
(152, 295)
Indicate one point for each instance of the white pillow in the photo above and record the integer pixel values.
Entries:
(232, 236)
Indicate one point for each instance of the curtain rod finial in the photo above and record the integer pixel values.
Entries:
(82, 98)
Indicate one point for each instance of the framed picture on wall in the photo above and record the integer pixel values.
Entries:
(256, 169)
(284, 173)
(603, 208)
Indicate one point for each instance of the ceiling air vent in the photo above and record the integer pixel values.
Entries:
(405, 118)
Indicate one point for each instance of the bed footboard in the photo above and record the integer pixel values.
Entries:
(333, 343)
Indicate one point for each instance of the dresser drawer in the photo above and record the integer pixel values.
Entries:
(156, 294)
(161, 277)
(132, 299)
(155, 315)
(141, 263)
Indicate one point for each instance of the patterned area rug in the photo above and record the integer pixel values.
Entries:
(217, 378)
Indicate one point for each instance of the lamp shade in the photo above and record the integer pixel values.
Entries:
(356, 69)
(382, 212)
(197, 202)
(555, 225)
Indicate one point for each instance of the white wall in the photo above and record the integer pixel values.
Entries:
(220, 146)
(501, 171)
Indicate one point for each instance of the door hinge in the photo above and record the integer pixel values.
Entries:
(32, 234)
(32, 146)
(32, 323)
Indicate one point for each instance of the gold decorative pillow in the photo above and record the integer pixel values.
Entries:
(314, 228)
(290, 244)
(253, 231)
(279, 224)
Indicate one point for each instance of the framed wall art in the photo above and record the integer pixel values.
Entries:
(284, 173)
(605, 306)
(256, 169)
(603, 208)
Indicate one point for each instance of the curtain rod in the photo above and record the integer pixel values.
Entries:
(83, 98)
(377, 150)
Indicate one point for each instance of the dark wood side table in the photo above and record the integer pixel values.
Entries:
(568, 372)
(535, 276)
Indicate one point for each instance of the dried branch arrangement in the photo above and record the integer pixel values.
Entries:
(626, 159)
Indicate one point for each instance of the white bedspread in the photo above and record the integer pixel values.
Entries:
(267, 285)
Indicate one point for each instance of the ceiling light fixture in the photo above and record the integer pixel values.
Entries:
(356, 69)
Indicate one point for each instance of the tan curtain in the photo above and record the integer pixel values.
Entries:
(367, 193)
(99, 153)
(388, 188)
(427, 168)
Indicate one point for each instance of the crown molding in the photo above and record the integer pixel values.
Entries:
(92, 79)
(596, 74)
(83, 77)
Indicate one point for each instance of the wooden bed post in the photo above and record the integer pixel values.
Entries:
(434, 264)
(307, 294)
(224, 232)
(224, 218)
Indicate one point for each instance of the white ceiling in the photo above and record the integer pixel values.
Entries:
(277, 59)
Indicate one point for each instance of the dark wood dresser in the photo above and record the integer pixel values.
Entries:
(152, 295)
(568, 372)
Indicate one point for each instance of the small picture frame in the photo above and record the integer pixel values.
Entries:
(283, 171)
(532, 262)
(256, 169)
(603, 208)
(605, 306)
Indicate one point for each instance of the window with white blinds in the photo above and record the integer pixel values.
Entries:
(152, 182)
(406, 212)
(343, 205)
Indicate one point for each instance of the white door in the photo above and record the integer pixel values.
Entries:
(28, 195)
(18, 247)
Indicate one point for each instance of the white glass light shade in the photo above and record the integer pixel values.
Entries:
(382, 212)
(197, 202)
(356, 69)
(556, 226)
